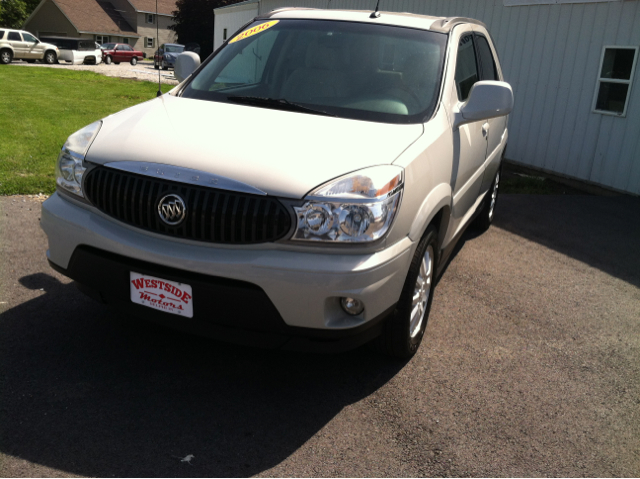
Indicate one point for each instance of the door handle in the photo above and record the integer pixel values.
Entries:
(485, 129)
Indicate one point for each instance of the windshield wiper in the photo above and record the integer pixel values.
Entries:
(279, 103)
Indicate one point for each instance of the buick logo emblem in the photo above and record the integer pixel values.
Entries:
(172, 210)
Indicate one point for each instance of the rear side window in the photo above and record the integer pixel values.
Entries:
(15, 36)
(466, 67)
(489, 70)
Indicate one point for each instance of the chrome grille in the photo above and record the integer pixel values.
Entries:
(213, 215)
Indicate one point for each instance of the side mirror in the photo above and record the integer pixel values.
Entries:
(487, 99)
(186, 64)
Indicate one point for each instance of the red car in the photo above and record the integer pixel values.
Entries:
(120, 52)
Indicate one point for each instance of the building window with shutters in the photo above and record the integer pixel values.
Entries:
(150, 18)
(615, 76)
(150, 42)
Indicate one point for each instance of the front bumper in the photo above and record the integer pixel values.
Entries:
(303, 287)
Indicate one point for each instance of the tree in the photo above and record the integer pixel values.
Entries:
(13, 13)
(194, 22)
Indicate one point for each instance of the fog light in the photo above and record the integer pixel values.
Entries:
(352, 306)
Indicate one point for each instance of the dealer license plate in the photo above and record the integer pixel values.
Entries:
(161, 294)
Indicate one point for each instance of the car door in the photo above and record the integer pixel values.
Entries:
(470, 140)
(129, 52)
(119, 54)
(19, 47)
(33, 48)
(497, 126)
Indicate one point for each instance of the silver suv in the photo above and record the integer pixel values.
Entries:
(323, 165)
(21, 45)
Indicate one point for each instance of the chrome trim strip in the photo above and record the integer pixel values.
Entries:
(184, 175)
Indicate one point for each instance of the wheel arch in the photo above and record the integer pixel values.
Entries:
(435, 210)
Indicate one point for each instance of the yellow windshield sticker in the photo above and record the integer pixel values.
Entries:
(253, 30)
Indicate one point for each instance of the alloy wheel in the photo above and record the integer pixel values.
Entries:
(421, 293)
(494, 195)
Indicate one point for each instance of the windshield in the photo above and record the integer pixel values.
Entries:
(173, 48)
(351, 70)
(108, 46)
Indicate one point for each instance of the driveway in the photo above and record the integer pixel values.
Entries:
(530, 367)
(141, 71)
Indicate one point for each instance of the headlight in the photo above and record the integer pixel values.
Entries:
(69, 169)
(356, 208)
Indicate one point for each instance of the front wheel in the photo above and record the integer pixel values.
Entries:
(404, 330)
(156, 66)
(50, 58)
(487, 213)
(107, 60)
(134, 61)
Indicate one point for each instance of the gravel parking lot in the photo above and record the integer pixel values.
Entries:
(141, 71)
(531, 367)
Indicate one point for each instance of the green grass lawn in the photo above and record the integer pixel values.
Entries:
(41, 107)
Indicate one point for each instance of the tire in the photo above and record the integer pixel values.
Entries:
(487, 213)
(164, 67)
(6, 57)
(156, 66)
(403, 332)
(107, 60)
(50, 58)
(134, 61)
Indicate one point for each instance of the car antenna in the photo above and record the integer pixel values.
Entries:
(375, 14)
(158, 50)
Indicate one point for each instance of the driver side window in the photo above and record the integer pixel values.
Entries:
(29, 38)
(466, 67)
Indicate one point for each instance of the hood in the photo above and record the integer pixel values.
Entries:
(282, 153)
(171, 56)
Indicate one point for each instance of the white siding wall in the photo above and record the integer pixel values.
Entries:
(550, 54)
(231, 18)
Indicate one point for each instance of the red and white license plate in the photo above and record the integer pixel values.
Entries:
(161, 294)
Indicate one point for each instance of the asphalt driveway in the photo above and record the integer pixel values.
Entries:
(531, 367)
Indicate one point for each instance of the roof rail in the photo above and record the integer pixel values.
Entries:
(446, 24)
(270, 13)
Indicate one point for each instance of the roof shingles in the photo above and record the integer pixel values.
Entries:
(165, 7)
(95, 16)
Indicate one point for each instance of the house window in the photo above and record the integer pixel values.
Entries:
(224, 34)
(102, 39)
(125, 40)
(150, 18)
(617, 67)
(150, 42)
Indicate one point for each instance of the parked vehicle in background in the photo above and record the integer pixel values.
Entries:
(166, 55)
(326, 236)
(76, 51)
(120, 52)
(21, 45)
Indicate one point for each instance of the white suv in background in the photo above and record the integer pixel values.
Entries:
(21, 45)
(321, 168)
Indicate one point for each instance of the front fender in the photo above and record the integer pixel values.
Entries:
(440, 197)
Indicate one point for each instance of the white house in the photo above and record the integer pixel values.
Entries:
(571, 63)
